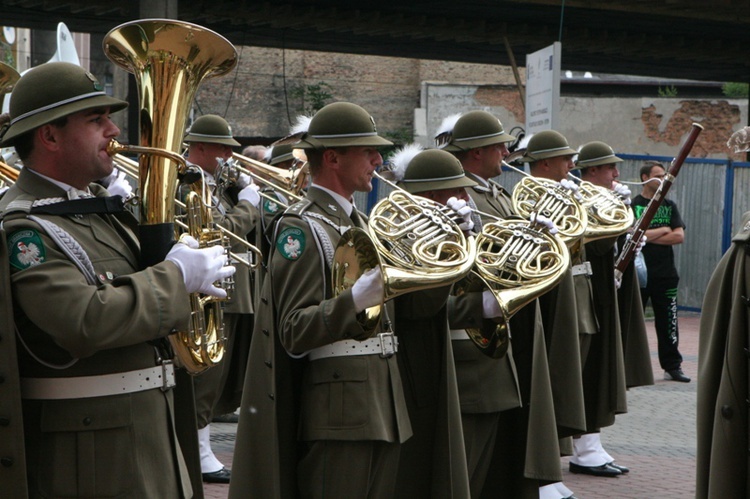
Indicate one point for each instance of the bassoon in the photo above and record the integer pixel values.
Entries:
(629, 249)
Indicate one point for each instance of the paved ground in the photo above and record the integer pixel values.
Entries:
(655, 439)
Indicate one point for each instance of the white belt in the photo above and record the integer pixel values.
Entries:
(582, 269)
(384, 344)
(80, 387)
(459, 334)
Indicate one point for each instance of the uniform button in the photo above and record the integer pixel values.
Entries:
(727, 412)
(336, 375)
(4, 422)
(7, 461)
(265, 331)
(86, 421)
(264, 300)
(268, 363)
(270, 395)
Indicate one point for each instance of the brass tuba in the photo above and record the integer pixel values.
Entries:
(416, 242)
(169, 60)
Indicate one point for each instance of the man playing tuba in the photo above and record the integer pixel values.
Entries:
(95, 376)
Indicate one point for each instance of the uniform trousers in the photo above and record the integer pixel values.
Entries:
(345, 468)
(663, 295)
(480, 433)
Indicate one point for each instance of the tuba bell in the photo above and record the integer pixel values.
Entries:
(169, 60)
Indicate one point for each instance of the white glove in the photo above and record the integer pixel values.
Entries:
(623, 191)
(490, 306)
(250, 194)
(117, 184)
(244, 180)
(3, 189)
(463, 210)
(640, 245)
(368, 290)
(534, 217)
(200, 267)
(569, 184)
(618, 282)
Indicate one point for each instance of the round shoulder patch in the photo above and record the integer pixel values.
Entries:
(291, 243)
(270, 206)
(26, 249)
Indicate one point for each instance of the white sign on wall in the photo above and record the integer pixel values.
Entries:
(543, 89)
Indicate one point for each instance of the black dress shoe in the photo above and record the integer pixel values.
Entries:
(603, 470)
(676, 375)
(623, 469)
(226, 418)
(221, 476)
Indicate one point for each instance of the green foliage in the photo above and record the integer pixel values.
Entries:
(399, 136)
(735, 90)
(669, 91)
(313, 97)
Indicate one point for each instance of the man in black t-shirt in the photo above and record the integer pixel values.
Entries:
(665, 230)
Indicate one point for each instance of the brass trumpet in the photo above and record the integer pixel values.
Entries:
(290, 182)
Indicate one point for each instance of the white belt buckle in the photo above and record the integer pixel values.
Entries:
(167, 375)
(388, 344)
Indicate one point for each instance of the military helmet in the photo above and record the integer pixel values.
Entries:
(434, 169)
(52, 91)
(341, 124)
(211, 129)
(279, 153)
(477, 129)
(596, 154)
(547, 144)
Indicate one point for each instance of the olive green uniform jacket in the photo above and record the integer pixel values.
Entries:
(722, 411)
(287, 400)
(116, 445)
(540, 449)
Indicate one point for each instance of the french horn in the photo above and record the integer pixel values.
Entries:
(169, 60)
(518, 261)
(416, 242)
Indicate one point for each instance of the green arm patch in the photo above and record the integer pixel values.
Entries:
(291, 243)
(26, 249)
(270, 206)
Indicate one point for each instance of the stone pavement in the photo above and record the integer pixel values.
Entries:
(655, 439)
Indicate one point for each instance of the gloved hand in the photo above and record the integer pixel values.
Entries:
(250, 194)
(3, 189)
(623, 191)
(572, 187)
(641, 243)
(201, 267)
(244, 180)
(117, 184)
(490, 306)
(463, 210)
(368, 290)
(534, 217)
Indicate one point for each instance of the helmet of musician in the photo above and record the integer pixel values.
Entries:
(279, 153)
(52, 91)
(596, 154)
(341, 124)
(547, 144)
(434, 169)
(211, 129)
(472, 130)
